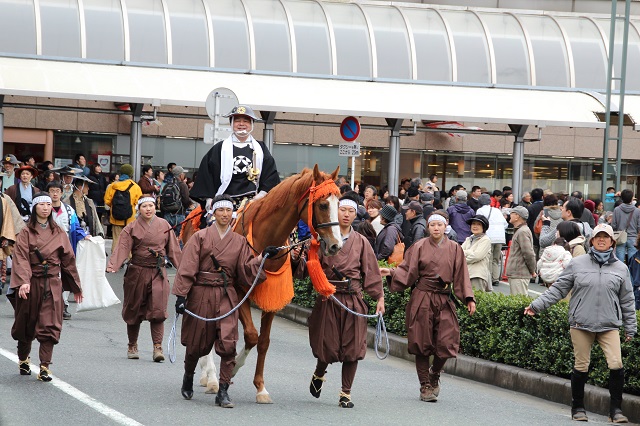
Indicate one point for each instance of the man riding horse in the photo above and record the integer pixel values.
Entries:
(239, 166)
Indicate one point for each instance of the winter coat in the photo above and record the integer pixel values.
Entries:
(477, 252)
(534, 210)
(552, 262)
(386, 240)
(548, 233)
(602, 297)
(497, 224)
(621, 217)
(97, 191)
(577, 246)
(458, 215)
(418, 231)
(522, 258)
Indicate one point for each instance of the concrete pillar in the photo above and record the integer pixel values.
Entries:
(518, 161)
(268, 132)
(394, 155)
(48, 146)
(1, 126)
(135, 147)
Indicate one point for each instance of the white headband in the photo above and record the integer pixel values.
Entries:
(437, 217)
(146, 200)
(41, 199)
(348, 203)
(222, 204)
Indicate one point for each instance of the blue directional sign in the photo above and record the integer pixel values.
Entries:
(350, 129)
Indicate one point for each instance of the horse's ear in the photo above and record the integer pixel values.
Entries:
(317, 176)
(334, 175)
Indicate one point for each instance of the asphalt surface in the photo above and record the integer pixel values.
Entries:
(94, 383)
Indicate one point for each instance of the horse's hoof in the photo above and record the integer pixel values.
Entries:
(212, 387)
(264, 398)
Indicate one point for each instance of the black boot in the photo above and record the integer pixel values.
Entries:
(578, 380)
(616, 383)
(187, 386)
(65, 314)
(222, 399)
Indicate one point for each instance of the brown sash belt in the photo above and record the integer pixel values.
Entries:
(433, 286)
(211, 279)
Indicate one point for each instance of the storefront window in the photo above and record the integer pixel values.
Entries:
(93, 147)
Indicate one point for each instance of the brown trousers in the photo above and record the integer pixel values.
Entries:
(45, 352)
(422, 367)
(157, 332)
(349, 369)
(609, 341)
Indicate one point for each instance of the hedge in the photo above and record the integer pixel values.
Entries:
(500, 332)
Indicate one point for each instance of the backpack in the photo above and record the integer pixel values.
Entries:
(121, 204)
(170, 199)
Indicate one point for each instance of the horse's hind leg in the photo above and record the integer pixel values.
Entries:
(250, 336)
(262, 396)
(209, 375)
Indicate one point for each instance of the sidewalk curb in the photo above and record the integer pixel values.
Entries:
(517, 379)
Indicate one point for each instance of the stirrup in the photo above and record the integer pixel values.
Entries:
(24, 366)
(315, 387)
(45, 374)
(345, 400)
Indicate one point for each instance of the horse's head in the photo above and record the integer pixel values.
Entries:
(325, 210)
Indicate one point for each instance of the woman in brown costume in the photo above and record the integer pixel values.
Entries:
(43, 264)
(438, 269)
(215, 258)
(336, 335)
(146, 288)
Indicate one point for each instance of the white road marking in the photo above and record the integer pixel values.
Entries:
(109, 412)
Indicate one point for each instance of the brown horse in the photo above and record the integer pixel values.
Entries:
(271, 220)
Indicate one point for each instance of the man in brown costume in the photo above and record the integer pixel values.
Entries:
(437, 267)
(43, 264)
(146, 288)
(336, 335)
(214, 259)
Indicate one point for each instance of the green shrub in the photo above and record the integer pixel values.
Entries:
(499, 331)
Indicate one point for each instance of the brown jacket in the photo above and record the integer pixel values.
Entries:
(522, 258)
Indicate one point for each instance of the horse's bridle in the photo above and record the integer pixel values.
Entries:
(314, 223)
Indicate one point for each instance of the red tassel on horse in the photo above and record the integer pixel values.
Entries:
(317, 275)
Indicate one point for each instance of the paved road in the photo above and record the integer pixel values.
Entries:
(94, 383)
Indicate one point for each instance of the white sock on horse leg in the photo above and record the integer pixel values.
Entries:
(263, 392)
(240, 360)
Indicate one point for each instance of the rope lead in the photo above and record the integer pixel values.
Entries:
(381, 328)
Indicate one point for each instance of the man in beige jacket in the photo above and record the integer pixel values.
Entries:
(521, 265)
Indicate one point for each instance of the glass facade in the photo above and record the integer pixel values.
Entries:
(495, 171)
(399, 41)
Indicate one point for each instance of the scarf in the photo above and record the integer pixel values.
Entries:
(226, 161)
(601, 257)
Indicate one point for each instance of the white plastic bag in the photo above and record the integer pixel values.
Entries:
(91, 261)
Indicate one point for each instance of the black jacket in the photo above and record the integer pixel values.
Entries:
(208, 181)
(418, 231)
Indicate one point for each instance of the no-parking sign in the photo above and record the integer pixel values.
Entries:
(350, 129)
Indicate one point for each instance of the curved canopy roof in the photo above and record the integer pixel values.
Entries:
(370, 40)
(395, 45)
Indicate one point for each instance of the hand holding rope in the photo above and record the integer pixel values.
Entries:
(171, 343)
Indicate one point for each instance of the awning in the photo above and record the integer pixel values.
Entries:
(411, 101)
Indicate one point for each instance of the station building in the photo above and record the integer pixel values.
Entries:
(80, 76)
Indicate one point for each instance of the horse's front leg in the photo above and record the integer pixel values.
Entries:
(250, 336)
(262, 396)
(209, 375)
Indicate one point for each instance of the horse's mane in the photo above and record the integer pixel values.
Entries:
(293, 186)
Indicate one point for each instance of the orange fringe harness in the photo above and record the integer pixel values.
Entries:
(317, 275)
